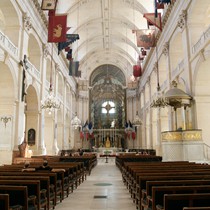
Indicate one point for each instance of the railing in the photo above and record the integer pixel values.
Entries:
(206, 151)
(8, 45)
(203, 39)
(32, 70)
(178, 69)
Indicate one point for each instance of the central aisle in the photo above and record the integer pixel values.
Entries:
(105, 180)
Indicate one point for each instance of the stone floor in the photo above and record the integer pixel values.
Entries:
(103, 190)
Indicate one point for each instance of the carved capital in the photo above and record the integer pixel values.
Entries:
(155, 67)
(57, 67)
(46, 51)
(182, 20)
(27, 22)
(166, 49)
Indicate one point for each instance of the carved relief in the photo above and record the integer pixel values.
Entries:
(46, 51)
(27, 22)
(166, 49)
(182, 20)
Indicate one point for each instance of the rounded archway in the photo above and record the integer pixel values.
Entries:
(107, 96)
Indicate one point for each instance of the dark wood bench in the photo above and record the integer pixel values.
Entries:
(143, 179)
(196, 208)
(179, 201)
(44, 185)
(18, 196)
(158, 193)
(149, 184)
(35, 196)
(51, 190)
(4, 201)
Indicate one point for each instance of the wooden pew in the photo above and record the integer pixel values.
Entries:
(18, 195)
(196, 208)
(147, 194)
(52, 177)
(179, 201)
(143, 179)
(44, 185)
(4, 201)
(158, 193)
(34, 196)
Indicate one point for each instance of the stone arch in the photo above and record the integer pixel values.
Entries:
(176, 51)
(7, 108)
(60, 85)
(162, 68)
(202, 98)
(32, 108)
(10, 24)
(153, 83)
(34, 51)
(198, 19)
(60, 130)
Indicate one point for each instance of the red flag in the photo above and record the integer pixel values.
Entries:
(145, 38)
(133, 135)
(81, 135)
(57, 28)
(152, 20)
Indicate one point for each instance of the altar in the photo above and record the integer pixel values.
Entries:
(109, 151)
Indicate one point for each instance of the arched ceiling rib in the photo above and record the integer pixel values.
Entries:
(105, 29)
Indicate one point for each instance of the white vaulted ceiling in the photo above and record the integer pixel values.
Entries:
(105, 30)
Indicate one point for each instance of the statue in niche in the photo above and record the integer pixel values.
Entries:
(31, 136)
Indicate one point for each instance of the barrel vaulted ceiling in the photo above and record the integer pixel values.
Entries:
(105, 30)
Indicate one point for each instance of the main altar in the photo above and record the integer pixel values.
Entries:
(111, 140)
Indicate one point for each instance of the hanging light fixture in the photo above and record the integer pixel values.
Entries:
(76, 122)
(159, 100)
(50, 103)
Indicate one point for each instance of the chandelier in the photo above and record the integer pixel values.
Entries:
(159, 100)
(50, 103)
(76, 122)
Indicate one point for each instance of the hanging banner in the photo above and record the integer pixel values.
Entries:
(70, 38)
(49, 4)
(73, 69)
(152, 20)
(145, 38)
(57, 28)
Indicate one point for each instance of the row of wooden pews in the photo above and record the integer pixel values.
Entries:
(179, 185)
(35, 186)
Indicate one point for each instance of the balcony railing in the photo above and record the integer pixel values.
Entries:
(8, 45)
(201, 42)
(32, 70)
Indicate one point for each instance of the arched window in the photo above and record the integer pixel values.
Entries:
(108, 107)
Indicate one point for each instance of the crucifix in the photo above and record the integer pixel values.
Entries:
(108, 107)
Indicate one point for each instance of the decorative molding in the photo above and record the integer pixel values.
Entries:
(57, 67)
(46, 51)
(27, 22)
(41, 13)
(182, 21)
(166, 49)
(155, 67)
(192, 135)
(5, 120)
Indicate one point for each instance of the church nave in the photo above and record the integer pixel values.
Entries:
(106, 174)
